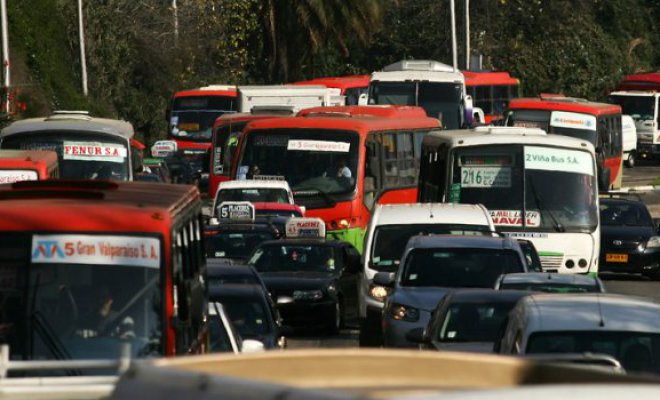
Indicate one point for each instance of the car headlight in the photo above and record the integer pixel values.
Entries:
(307, 295)
(402, 312)
(653, 242)
(331, 289)
(378, 292)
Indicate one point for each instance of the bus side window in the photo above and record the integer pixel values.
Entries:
(406, 159)
(432, 175)
(391, 170)
(372, 171)
(604, 138)
(618, 134)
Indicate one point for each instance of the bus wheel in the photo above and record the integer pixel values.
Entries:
(630, 161)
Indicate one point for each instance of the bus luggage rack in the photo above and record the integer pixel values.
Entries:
(60, 387)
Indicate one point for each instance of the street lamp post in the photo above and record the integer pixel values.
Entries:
(83, 57)
(5, 54)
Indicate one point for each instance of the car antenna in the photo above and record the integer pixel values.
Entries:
(601, 323)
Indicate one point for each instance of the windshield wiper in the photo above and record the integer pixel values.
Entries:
(312, 190)
(556, 224)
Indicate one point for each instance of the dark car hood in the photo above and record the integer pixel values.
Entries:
(425, 298)
(303, 280)
(634, 233)
(470, 347)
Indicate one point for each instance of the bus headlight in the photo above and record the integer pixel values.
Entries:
(653, 242)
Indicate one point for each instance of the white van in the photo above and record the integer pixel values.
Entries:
(389, 229)
(629, 140)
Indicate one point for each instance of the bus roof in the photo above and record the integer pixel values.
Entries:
(365, 123)
(23, 157)
(386, 111)
(212, 90)
(643, 81)
(561, 103)
(486, 135)
(418, 70)
(474, 78)
(339, 82)
(92, 206)
(63, 121)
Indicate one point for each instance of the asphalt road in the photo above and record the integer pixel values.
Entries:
(641, 175)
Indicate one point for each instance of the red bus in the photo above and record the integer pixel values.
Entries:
(350, 86)
(649, 81)
(190, 116)
(28, 165)
(598, 123)
(87, 265)
(226, 131)
(491, 91)
(339, 161)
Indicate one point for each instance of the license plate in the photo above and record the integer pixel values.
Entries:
(620, 258)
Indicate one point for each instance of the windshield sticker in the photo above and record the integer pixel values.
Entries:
(318, 145)
(90, 249)
(11, 176)
(455, 193)
(551, 159)
(513, 218)
(94, 151)
(486, 177)
(562, 119)
(271, 140)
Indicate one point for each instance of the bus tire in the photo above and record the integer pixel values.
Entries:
(630, 161)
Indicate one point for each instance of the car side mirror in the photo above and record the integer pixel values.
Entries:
(384, 279)
(252, 346)
(417, 335)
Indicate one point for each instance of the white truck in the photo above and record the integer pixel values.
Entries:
(644, 108)
(629, 133)
(295, 96)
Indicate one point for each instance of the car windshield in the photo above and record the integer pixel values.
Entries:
(390, 240)
(81, 155)
(473, 322)
(492, 175)
(442, 100)
(253, 195)
(635, 350)
(628, 214)
(249, 316)
(237, 244)
(640, 108)
(460, 267)
(551, 287)
(315, 162)
(294, 258)
(577, 125)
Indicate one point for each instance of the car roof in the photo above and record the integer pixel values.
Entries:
(459, 241)
(590, 311)
(236, 291)
(254, 183)
(219, 267)
(545, 277)
(486, 295)
(431, 213)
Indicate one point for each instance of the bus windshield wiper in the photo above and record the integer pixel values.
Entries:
(314, 191)
(555, 223)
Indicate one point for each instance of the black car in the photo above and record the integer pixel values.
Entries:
(628, 238)
(251, 311)
(222, 272)
(237, 240)
(467, 320)
(313, 281)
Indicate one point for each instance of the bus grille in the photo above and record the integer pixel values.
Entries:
(551, 262)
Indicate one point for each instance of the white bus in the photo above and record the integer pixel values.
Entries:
(515, 172)
(436, 87)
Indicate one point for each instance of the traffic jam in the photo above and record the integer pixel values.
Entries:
(393, 207)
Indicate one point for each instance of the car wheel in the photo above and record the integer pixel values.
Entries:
(338, 319)
(369, 336)
(630, 161)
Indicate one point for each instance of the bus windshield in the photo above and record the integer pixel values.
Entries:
(390, 240)
(193, 116)
(640, 108)
(60, 310)
(577, 125)
(313, 161)
(493, 176)
(442, 100)
(82, 155)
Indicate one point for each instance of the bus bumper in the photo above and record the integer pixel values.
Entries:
(354, 236)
